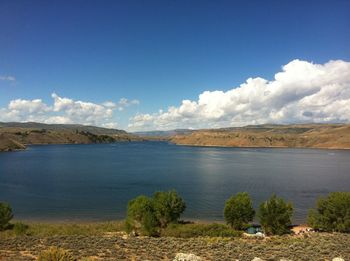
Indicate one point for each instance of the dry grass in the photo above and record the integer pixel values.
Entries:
(317, 246)
(107, 241)
(65, 229)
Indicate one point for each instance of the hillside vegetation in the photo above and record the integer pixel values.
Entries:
(14, 136)
(330, 136)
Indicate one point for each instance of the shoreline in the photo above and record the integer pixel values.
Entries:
(179, 144)
(255, 147)
(121, 221)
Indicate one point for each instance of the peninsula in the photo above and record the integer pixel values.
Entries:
(15, 136)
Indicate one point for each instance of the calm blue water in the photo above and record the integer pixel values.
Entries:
(95, 182)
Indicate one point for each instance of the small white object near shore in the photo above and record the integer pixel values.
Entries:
(338, 259)
(186, 257)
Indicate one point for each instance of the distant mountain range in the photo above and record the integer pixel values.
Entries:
(14, 135)
(163, 133)
(61, 127)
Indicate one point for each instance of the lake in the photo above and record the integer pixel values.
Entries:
(94, 182)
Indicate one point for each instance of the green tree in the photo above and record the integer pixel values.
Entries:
(149, 215)
(141, 216)
(275, 216)
(169, 206)
(5, 215)
(332, 213)
(239, 211)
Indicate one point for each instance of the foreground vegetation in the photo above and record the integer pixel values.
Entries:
(158, 217)
(115, 246)
(332, 213)
(148, 216)
(45, 229)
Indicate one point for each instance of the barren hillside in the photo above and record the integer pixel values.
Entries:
(331, 136)
(14, 136)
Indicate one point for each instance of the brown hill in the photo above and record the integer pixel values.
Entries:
(331, 136)
(61, 127)
(14, 136)
(7, 144)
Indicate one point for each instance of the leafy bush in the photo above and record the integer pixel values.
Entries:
(199, 230)
(20, 229)
(150, 224)
(148, 215)
(55, 254)
(5, 215)
(332, 213)
(169, 207)
(275, 216)
(239, 211)
(141, 216)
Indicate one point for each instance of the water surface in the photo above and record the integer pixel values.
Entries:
(95, 182)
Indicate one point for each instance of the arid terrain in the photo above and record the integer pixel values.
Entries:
(330, 136)
(15, 136)
(114, 246)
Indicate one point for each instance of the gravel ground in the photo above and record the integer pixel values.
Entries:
(116, 247)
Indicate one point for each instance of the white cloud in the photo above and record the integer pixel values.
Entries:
(109, 104)
(82, 112)
(62, 111)
(58, 120)
(7, 78)
(301, 92)
(122, 104)
(110, 125)
(125, 102)
(28, 106)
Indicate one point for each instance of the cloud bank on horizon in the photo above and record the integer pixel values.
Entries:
(302, 92)
(64, 111)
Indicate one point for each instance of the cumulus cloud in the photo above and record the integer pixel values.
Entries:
(62, 111)
(28, 106)
(301, 92)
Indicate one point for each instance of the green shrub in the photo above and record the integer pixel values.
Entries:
(20, 229)
(275, 216)
(5, 215)
(55, 254)
(147, 216)
(141, 217)
(199, 230)
(239, 211)
(169, 207)
(150, 224)
(332, 213)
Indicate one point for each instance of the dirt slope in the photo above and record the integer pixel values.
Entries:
(15, 136)
(336, 136)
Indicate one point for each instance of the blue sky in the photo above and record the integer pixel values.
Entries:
(157, 52)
